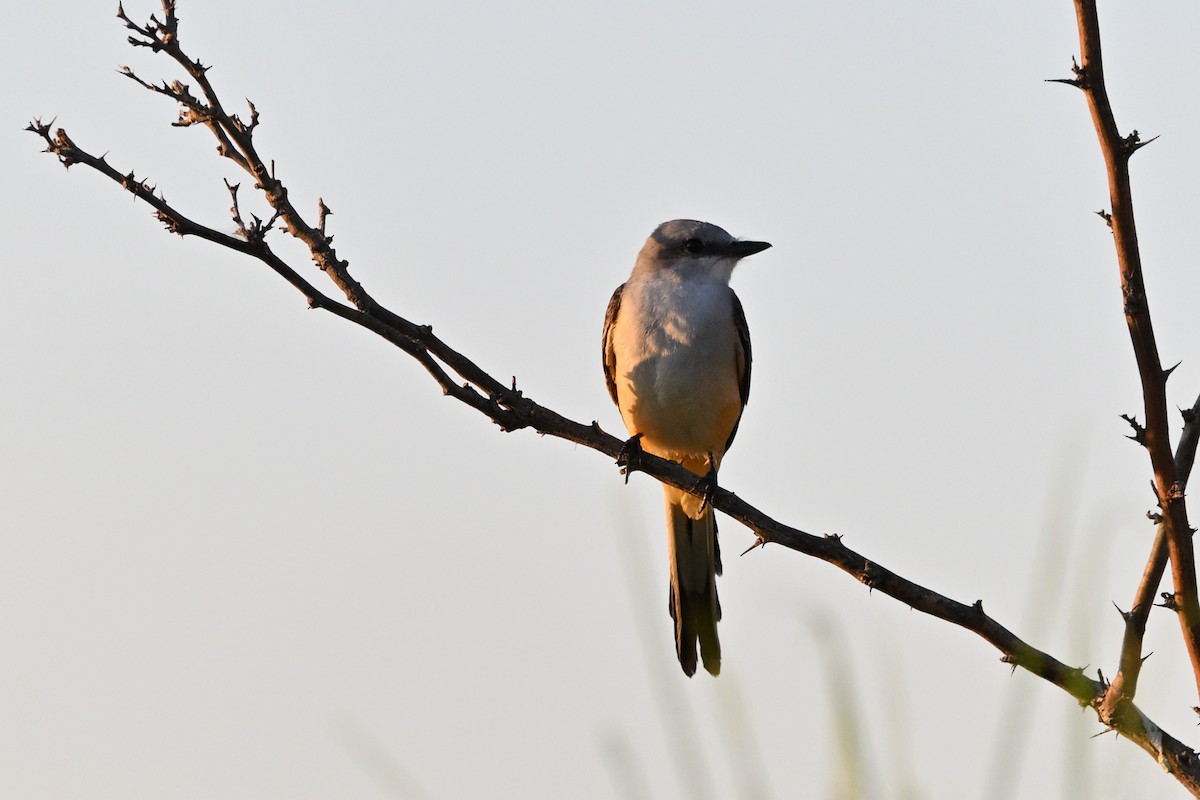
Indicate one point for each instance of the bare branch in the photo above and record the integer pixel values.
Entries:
(1117, 150)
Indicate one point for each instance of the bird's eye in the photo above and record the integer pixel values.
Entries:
(693, 246)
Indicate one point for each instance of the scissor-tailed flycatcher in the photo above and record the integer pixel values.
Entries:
(677, 362)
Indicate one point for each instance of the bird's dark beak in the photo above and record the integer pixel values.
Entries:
(743, 249)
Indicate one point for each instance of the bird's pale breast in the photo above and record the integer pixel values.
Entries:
(676, 372)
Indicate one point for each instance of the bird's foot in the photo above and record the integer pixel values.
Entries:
(630, 457)
(706, 485)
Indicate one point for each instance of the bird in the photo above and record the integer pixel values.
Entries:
(677, 359)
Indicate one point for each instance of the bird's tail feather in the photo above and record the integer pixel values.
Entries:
(695, 561)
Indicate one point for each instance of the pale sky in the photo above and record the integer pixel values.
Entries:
(250, 551)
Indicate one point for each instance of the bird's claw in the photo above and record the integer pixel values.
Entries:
(706, 485)
(629, 459)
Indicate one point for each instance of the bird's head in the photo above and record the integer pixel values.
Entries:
(691, 249)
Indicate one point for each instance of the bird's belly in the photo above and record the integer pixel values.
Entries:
(684, 402)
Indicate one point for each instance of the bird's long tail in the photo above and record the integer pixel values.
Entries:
(695, 560)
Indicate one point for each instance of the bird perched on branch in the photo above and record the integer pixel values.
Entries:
(677, 363)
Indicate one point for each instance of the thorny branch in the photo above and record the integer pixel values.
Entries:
(462, 379)
(1174, 534)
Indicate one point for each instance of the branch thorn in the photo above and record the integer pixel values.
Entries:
(1080, 79)
(323, 211)
(759, 541)
(1133, 142)
(1168, 602)
(1139, 433)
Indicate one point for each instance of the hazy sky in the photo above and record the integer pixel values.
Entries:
(250, 551)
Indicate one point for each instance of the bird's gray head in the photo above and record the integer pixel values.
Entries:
(694, 249)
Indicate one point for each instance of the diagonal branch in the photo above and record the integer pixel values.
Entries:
(1175, 530)
(461, 378)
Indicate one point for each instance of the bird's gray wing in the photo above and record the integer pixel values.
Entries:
(609, 358)
(743, 360)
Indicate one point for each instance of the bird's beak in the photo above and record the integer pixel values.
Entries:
(743, 249)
